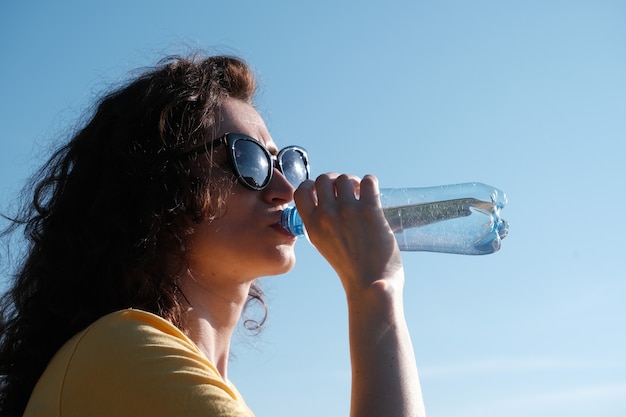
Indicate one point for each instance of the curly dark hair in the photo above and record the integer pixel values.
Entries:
(108, 210)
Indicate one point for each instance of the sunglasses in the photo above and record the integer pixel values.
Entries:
(253, 164)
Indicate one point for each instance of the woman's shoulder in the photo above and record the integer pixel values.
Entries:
(127, 332)
(133, 338)
(131, 326)
(131, 318)
(133, 360)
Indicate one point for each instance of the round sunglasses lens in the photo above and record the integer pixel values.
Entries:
(252, 163)
(293, 167)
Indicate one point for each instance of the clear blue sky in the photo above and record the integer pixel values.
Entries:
(528, 96)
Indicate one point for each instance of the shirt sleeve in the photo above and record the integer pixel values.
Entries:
(137, 364)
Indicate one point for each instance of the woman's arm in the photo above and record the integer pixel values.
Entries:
(353, 235)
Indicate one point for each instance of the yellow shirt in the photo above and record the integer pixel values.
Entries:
(133, 363)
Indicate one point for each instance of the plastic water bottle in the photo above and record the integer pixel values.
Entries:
(459, 218)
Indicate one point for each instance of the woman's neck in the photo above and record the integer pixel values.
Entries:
(214, 311)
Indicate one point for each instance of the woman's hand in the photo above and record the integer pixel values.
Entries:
(345, 222)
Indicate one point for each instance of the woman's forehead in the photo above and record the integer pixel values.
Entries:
(237, 116)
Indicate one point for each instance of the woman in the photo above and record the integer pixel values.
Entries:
(147, 232)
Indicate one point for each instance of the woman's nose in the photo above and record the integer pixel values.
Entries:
(279, 188)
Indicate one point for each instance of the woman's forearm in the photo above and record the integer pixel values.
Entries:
(385, 381)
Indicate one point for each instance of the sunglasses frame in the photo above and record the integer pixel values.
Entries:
(275, 161)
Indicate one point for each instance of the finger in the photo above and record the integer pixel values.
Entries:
(370, 191)
(325, 187)
(305, 197)
(347, 187)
